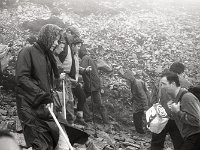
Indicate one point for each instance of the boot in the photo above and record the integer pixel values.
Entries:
(79, 119)
(104, 115)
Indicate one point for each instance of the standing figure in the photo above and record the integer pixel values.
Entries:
(71, 67)
(185, 110)
(140, 99)
(92, 84)
(157, 140)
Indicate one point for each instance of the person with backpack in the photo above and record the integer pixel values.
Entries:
(92, 84)
(157, 140)
(185, 110)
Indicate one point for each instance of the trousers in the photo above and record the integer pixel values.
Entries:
(157, 140)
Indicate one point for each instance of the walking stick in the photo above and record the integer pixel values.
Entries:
(61, 129)
(64, 102)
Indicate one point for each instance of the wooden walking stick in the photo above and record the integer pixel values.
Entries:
(64, 101)
(61, 129)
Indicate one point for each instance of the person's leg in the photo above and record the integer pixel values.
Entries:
(36, 139)
(157, 140)
(175, 135)
(70, 112)
(191, 143)
(80, 95)
(138, 121)
(96, 99)
(86, 113)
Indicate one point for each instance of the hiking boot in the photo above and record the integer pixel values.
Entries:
(104, 115)
(80, 121)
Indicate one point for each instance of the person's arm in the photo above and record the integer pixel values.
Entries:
(189, 110)
(29, 87)
(84, 65)
(147, 93)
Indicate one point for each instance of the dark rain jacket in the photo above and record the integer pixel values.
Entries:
(92, 76)
(34, 84)
(140, 95)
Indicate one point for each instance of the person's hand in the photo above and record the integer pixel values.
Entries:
(169, 104)
(89, 68)
(73, 81)
(50, 105)
(62, 76)
(175, 107)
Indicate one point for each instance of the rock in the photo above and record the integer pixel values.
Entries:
(104, 66)
(108, 147)
(131, 148)
(36, 25)
(3, 112)
(131, 144)
(18, 126)
(92, 146)
(106, 137)
(4, 125)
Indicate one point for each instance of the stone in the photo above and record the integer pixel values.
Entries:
(131, 148)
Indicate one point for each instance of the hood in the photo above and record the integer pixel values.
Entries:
(47, 35)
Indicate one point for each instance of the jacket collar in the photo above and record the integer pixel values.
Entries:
(37, 46)
(179, 94)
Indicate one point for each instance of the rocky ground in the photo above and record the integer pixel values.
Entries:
(116, 136)
(144, 36)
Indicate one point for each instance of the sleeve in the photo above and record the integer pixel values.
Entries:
(147, 94)
(190, 111)
(84, 64)
(27, 85)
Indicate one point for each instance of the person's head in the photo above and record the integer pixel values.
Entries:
(130, 77)
(82, 51)
(59, 48)
(170, 81)
(50, 35)
(177, 67)
(7, 142)
(76, 44)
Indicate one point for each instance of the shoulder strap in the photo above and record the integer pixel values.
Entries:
(180, 98)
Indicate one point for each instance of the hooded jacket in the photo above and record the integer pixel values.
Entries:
(35, 71)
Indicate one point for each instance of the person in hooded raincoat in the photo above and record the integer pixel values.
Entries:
(36, 70)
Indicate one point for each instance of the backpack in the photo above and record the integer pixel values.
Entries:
(156, 118)
(195, 90)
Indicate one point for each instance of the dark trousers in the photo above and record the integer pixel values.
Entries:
(98, 104)
(192, 142)
(157, 141)
(138, 121)
(79, 93)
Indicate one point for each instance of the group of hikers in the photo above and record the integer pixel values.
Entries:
(48, 72)
(51, 64)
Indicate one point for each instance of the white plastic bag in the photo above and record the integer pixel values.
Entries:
(156, 118)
